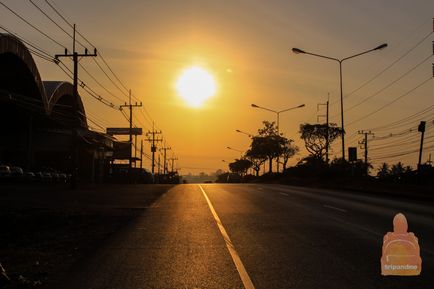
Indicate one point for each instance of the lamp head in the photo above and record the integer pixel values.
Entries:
(298, 50)
(384, 45)
(254, 105)
(302, 105)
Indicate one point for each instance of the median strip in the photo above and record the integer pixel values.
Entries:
(247, 282)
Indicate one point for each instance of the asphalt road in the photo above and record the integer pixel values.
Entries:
(257, 236)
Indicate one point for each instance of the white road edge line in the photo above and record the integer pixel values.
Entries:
(285, 194)
(247, 282)
(334, 208)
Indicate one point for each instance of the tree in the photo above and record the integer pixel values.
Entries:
(288, 151)
(268, 144)
(397, 170)
(315, 137)
(383, 171)
(256, 160)
(240, 166)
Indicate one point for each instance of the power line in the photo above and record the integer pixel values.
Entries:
(33, 26)
(111, 80)
(67, 22)
(99, 83)
(390, 65)
(86, 88)
(390, 103)
(103, 60)
(389, 84)
(404, 120)
(31, 44)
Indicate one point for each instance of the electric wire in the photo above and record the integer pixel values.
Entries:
(33, 26)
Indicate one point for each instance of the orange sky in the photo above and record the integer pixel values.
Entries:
(246, 46)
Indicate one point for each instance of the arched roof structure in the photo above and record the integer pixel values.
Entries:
(19, 75)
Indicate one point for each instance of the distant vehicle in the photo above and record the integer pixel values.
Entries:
(17, 172)
(63, 178)
(55, 176)
(29, 176)
(47, 177)
(208, 182)
(39, 176)
(5, 171)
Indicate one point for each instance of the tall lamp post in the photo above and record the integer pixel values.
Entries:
(243, 132)
(300, 51)
(277, 112)
(237, 150)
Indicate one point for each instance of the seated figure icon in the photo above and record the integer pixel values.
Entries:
(401, 252)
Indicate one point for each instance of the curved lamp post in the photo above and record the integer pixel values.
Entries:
(277, 112)
(300, 51)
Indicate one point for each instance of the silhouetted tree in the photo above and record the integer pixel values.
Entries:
(315, 135)
(256, 160)
(397, 170)
(268, 144)
(240, 166)
(383, 171)
(288, 151)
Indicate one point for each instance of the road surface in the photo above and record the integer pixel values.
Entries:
(257, 236)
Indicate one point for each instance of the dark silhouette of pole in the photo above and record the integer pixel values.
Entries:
(130, 106)
(141, 154)
(421, 129)
(75, 113)
(340, 61)
(365, 143)
(152, 138)
(173, 159)
(164, 149)
(327, 127)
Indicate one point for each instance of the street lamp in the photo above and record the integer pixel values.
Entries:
(300, 51)
(277, 112)
(246, 133)
(237, 150)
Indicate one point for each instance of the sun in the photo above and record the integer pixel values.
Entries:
(195, 85)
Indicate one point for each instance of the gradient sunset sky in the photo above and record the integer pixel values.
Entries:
(246, 46)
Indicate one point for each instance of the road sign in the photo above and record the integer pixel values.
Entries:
(352, 154)
(124, 131)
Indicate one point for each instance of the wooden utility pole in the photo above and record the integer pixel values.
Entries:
(75, 113)
(327, 122)
(130, 106)
(365, 143)
(173, 159)
(164, 149)
(421, 129)
(153, 139)
(141, 154)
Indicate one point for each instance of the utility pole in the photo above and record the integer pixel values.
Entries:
(164, 149)
(75, 113)
(327, 122)
(153, 139)
(141, 154)
(365, 143)
(130, 106)
(421, 128)
(173, 159)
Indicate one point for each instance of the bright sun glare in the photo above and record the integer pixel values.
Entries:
(195, 85)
